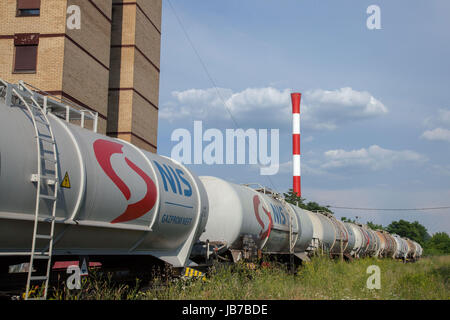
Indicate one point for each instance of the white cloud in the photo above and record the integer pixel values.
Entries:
(374, 158)
(270, 107)
(330, 108)
(441, 119)
(441, 169)
(437, 134)
(444, 116)
(306, 169)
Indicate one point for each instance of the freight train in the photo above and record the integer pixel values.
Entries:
(67, 191)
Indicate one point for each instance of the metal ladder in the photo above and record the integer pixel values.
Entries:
(292, 239)
(46, 156)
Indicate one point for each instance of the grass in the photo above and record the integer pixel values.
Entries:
(320, 279)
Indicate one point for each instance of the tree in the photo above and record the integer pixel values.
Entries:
(314, 206)
(294, 199)
(439, 243)
(414, 231)
(374, 226)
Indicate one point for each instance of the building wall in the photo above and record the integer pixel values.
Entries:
(111, 65)
(87, 57)
(51, 26)
(134, 76)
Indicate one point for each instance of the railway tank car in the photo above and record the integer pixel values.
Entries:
(115, 199)
(244, 221)
(365, 241)
(389, 244)
(402, 248)
(354, 240)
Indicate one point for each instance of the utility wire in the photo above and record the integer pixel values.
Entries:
(392, 209)
(209, 75)
(203, 64)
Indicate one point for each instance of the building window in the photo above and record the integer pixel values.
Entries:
(26, 50)
(27, 8)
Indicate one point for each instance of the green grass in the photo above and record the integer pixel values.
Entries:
(320, 279)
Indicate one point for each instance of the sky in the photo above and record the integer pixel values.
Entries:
(375, 103)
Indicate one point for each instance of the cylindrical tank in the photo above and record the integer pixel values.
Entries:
(371, 242)
(358, 239)
(115, 199)
(402, 247)
(408, 248)
(239, 213)
(392, 248)
(317, 238)
(419, 250)
(351, 244)
(411, 249)
(382, 247)
(341, 235)
(398, 247)
(306, 231)
(387, 246)
(374, 242)
(329, 233)
(365, 243)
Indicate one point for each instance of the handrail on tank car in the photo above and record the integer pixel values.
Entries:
(262, 189)
(4, 87)
(60, 107)
(76, 107)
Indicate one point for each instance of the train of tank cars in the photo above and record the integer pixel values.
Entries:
(67, 191)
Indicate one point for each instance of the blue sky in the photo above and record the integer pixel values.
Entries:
(375, 108)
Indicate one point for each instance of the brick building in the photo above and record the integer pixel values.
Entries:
(109, 65)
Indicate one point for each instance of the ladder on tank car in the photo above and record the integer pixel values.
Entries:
(39, 104)
(46, 180)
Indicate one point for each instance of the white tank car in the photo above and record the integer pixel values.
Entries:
(354, 239)
(317, 238)
(407, 248)
(419, 250)
(341, 235)
(402, 247)
(306, 231)
(351, 239)
(113, 198)
(243, 220)
(329, 233)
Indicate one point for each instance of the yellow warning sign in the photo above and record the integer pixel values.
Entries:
(66, 181)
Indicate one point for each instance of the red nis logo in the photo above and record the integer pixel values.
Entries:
(263, 234)
(104, 150)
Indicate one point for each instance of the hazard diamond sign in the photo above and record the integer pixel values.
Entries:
(66, 181)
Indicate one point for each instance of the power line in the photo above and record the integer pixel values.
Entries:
(202, 63)
(209, 75)
(390, 209)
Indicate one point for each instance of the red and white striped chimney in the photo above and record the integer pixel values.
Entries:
(296, 98)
